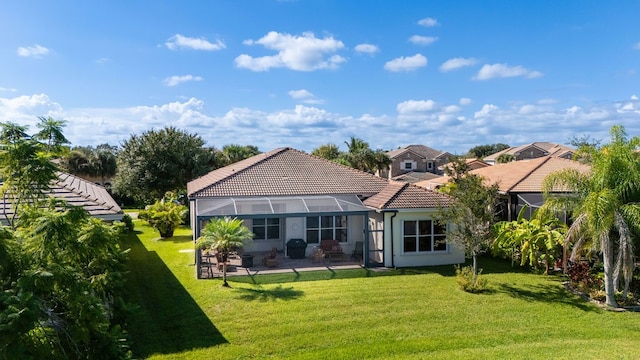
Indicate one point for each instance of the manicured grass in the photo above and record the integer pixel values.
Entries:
(360, 314)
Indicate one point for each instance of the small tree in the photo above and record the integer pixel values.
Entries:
(164, 215)
(223, 235)
(472, 214)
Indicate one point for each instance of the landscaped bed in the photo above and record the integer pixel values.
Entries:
(361, 313)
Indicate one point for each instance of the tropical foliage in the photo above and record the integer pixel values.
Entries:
(358, 156)
(164, 215)
(534, 241)
(158, 161)
(99, 161)
(605, 206)
(25, 167)
(51, 133)
(481, 151)
(233, 153)
(223, 235)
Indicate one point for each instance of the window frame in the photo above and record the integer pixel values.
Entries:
(266, 226)
(324, 227)
(435, 233)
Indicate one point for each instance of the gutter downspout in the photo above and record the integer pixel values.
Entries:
(395, 212)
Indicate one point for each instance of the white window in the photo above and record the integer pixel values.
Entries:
(408, 165)
(326, 228)
(266, 229)
(423, 236)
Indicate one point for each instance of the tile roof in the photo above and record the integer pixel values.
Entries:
(282, 172)
(78, 192)
(424, 151)
(415, 176)
(527, 175)
(517, 176)
(399, 195)
(551, 149)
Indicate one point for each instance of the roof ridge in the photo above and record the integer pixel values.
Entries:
(396, 193)
(255, 160)
(544, 158)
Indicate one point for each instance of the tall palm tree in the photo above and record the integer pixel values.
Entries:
(223, 235)
(605, 204)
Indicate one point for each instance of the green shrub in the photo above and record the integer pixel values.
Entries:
(468, 282)
(128, 222)
(165, 216)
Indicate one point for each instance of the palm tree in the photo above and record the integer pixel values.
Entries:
(51, 132)
(605, 206)
(223, 235)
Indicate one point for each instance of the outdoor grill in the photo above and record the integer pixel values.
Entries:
(296, 248)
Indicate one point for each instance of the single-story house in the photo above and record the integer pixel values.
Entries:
(76, 191)
(287, 194)
(519, 182)
(532, 151)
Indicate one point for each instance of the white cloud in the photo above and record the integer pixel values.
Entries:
(304, 96)
(465, 101)
(415, 106)
(451, 127)
(33, 51)
(8, 89)
(634, 97)
(486, 110)
(103, 61)
(505, 71)
(452, 109)
(409, 63)
(300, 53)
(422, 40)
(176, 80)
(367, 49)
(179, 41)
(428, 22)
(456, 63)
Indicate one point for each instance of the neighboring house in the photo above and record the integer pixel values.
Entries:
(287, 194)
(532, 151)
(415, 176)
(519, 182)
(76, 191)
(472, 164)
(415, 158)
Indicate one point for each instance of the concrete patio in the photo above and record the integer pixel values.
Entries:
(284, 265)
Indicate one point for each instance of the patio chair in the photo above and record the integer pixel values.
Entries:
(358, 252)
(220, 262)
(206, 263)
(270, 259)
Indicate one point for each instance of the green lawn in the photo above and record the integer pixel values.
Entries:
(360, 314)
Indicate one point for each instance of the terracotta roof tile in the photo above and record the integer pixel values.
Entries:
(77, 192)
(527, 175)
(282, 172)
(424, 151)
(398, 195)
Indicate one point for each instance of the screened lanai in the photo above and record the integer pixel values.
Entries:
(275, 220)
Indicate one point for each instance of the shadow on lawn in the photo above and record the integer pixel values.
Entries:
(167, 319)
(277, 293)
(550, 293)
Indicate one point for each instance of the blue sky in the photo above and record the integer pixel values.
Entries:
(447, 74)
